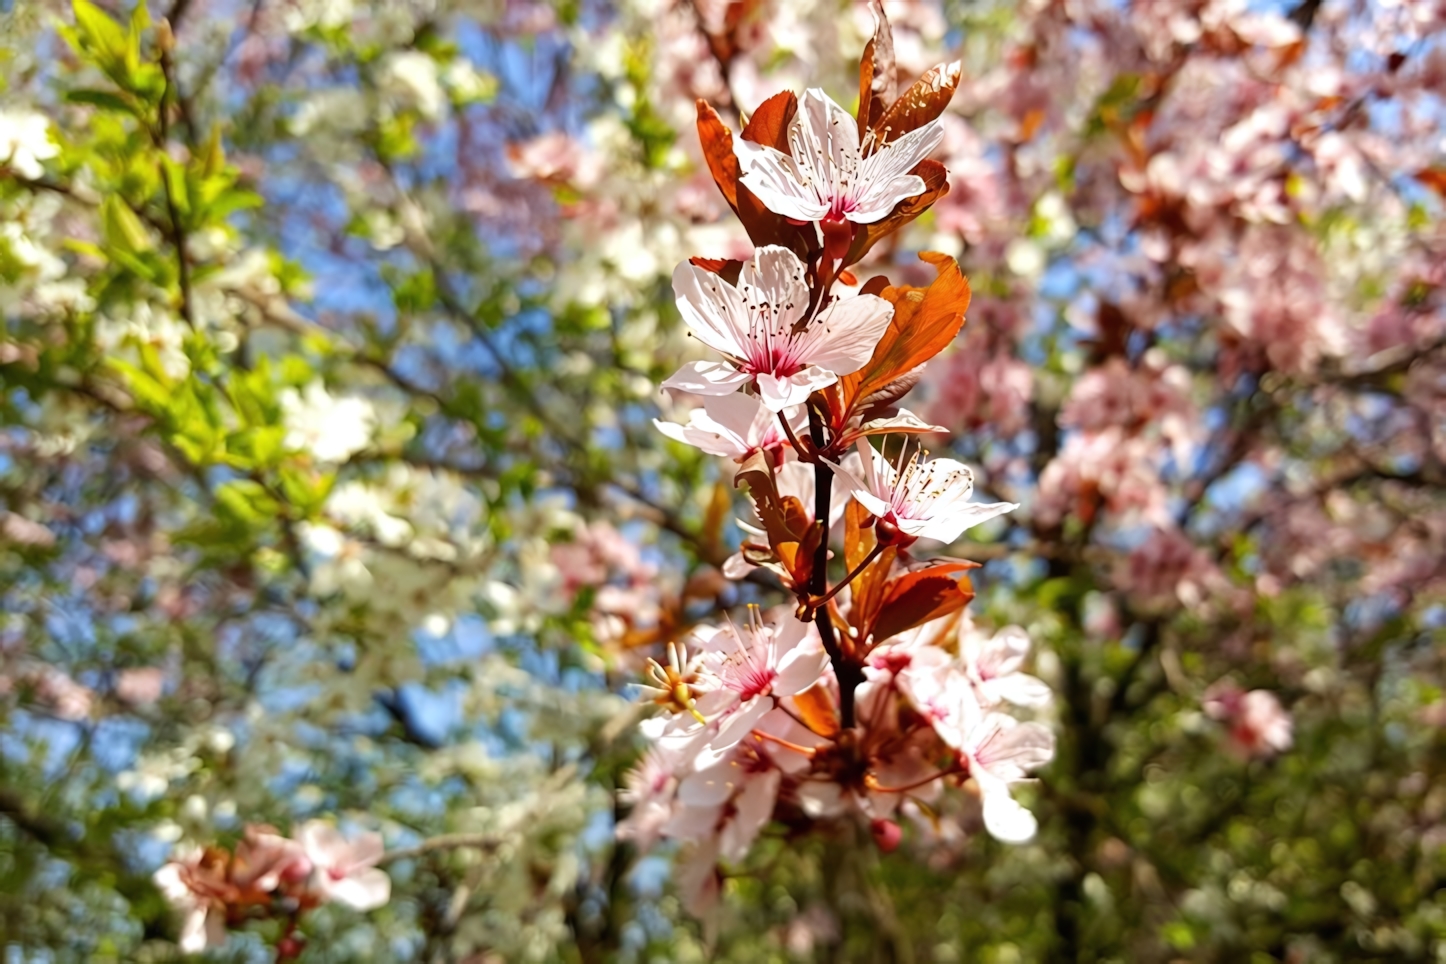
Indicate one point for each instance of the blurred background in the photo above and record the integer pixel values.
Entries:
(328, 483)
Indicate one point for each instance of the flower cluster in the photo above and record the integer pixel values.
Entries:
(271, 876)
(873, 689)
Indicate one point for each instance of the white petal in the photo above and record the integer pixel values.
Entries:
(705, 434)
(1007, 749)
(1004, 817)
(798, 671)
(362, 890)
(772, 283)
(843, 338)
(737, 567)
(1021, 689)
(753, 809)
(707, 378)
(832, 137)
(859, 489)
(777, 182)
(962, 517)
(198, 931)
(781, 393)
(819, 799)
(712, 308)
(999, 655)
(738, 725)
(710, 786)
(884, 178)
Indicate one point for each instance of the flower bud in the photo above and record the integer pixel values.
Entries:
(887, 835)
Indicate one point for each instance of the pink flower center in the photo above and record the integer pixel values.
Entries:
(753, 681)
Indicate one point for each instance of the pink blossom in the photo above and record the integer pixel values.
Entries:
(196, 883)
(345, 870)
(1258, 725)
(997, 751)
(735, 426)
(754, 666)
(649, 790)
(139, 687)
(761, 326)
(265, 860)
(825, 175)
(918, 499)
(992, 664)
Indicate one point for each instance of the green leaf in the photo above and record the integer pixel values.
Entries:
(122, 229)
(98, 31)
(104, 99)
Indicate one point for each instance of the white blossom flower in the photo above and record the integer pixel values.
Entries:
(992, 664)
(760, 326)
(25, 142)
(998, 751)
(194, 882)
(827, 178)
(733, 798)
(332, 429)
(734, 426)
(754, 666)
(345, 870)
(918, 499)
(649, 789)
(411, 77)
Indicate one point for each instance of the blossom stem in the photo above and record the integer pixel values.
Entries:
(813, 604)
(849, 674)
(803, 454)
(872, 782)
(806, 751)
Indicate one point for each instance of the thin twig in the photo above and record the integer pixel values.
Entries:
(449, 841)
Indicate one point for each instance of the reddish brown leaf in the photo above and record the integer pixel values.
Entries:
(769, 124)
(793, 536)
(1434, 178)
(920, 104)
(936, 185)
(925, 321)
(875, 285)
(877, 76)
(917, 597)
(725, 268)
(717, 142)
(815, 707)
(881, 403)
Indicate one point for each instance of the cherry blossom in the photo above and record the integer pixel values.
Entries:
(732, 798)
(826, 176)
(997, 751)
(649, 789)
(754, 667)
(734, 426)
(345, 870)
(761, 325)
(992, 664)
(1259, 725)
(195, 883)
(918, 499)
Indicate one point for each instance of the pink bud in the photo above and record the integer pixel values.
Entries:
(887, 835)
